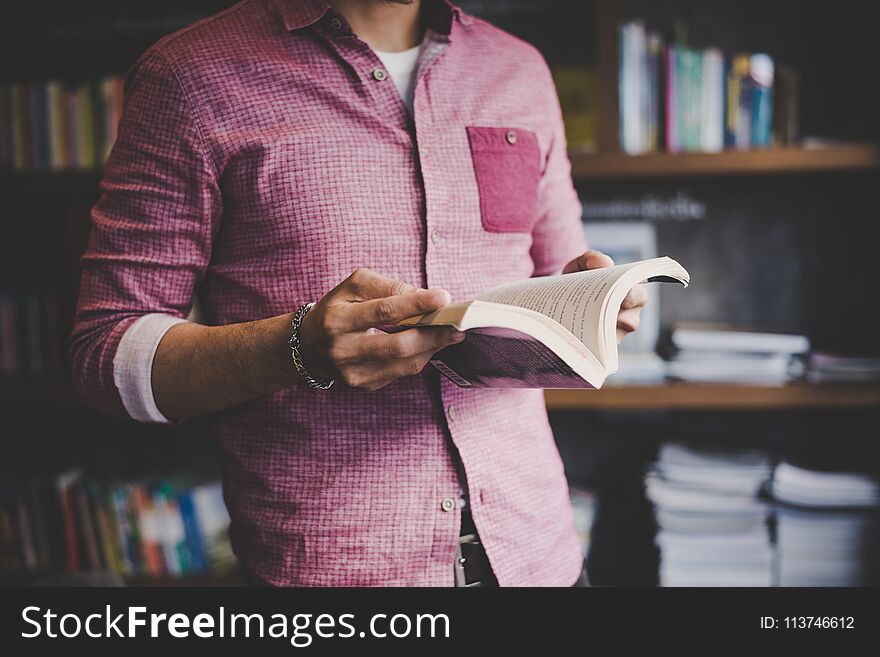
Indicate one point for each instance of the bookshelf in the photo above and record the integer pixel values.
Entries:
(585, 167)
(793, 160)
(673, 396)
(60, 201)
(719, 397)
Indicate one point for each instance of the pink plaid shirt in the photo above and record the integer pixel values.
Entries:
(262, 157)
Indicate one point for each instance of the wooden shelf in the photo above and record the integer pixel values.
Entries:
(585, 166)
(604, 166)
(717, 397)
(657, 397)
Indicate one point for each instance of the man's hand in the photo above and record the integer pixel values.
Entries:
(631, 308)
(339, 339)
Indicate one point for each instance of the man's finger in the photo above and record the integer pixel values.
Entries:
(628, 320)
(596, 260)
(406, 344)
(365, 284)
(637, 297)
(372, 376)
(392, 309)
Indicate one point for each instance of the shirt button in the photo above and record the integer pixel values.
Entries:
(379, 74)
(448, 504)
(511, 137)
(423, 150)
(435, 237)
(335, 24)
(451, 412)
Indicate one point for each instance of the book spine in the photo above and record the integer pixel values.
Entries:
(71, 102)
(8, 360)
(761, 116)
(149, 533)
(5, 127)
(41, 527)
(33, 335)
(29, 550)
(85, 137)
(20, 127)
(99, 121)
(623, 90)
(194, 541)
(55, 111)
(39, 126)
(127, 531)
(70, 540)
(691, 73)
(712, 112)
(103, 531)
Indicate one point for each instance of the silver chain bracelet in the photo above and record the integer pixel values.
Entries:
(295, 355)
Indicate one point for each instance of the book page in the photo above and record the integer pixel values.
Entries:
(573, 300)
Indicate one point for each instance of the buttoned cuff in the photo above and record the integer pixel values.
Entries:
(133, 366)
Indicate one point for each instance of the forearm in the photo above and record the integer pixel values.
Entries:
(204, 369)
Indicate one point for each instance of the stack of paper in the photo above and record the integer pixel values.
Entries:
(713, 528)
(708, 355)
(828, 527)
(827, 368)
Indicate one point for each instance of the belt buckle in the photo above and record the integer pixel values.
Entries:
(461, 563)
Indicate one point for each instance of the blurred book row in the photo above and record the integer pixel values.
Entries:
(723, 355)
(53, 126)
(152, 527)
(31, 342)
(728, 517)
(739, 356)
(687, 100)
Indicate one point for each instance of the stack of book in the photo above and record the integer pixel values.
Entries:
(829, 368)
(828, 527)
(154, 527)
(697, 100)
(51, 125)
(30, 334)
(713, 527)
(723, 355)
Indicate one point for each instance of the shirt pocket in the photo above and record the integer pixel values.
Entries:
(507, 165)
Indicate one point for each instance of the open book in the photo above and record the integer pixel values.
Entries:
(548, 332)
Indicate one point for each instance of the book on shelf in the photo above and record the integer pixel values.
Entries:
(154, 527)
(31, 343)
(52, 125)
(723, 354)
(832, 368)
(639, 88)
(545, 332)
(698, 100)
(713, 524)
(828, 526)
(577, 90)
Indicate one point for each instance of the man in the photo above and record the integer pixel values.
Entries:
(264, 155)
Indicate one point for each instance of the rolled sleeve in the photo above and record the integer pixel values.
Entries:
(151, 229)
(558, 235)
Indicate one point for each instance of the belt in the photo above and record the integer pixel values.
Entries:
(471, 565)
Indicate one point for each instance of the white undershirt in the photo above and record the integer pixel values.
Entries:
(401, 66)
(133, 361)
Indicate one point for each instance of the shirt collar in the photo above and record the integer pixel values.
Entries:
(439, 14)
